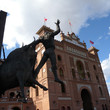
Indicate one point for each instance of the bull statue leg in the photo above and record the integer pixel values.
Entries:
(41, 86)
(21, 84)
(32, 82)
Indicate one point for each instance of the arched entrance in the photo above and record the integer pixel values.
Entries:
(16, 108)
(86, 98)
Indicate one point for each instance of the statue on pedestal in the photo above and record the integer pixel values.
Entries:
(18, 68)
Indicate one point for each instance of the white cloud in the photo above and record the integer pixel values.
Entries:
(100, 37)
(108, 30)
(108, 86)
(26, 17)
(106, 69)
(108, 33)
(106, 66)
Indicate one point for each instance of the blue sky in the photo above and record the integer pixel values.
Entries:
(90, 20)
(98, 31)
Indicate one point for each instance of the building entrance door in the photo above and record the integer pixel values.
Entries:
(86, 97)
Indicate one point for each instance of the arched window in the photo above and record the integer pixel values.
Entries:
(71, 61)
(59, 58)
(86, 65)
(103, 108)
(73, 73)
(68, 108)
(101, 93)
(97, 78)
(62, 108)
(61, 72)
(106, 107)
(88, 74)
(63, 90)
(94, 67)
(80, 69)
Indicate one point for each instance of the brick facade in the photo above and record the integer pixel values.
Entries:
(80, 70)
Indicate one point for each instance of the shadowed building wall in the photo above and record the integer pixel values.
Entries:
(2, 27)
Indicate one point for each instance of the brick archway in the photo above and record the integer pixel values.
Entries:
(86, 98)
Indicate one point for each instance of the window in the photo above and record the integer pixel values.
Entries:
(88, 74)
(100, 91)
(61, 72)
(71, 61)
(73, 73)
(106, 107)
(62, 108)
(86, 65)
(97, 78)
(63, 88)
(80, 69)
(94, 67)
(68, 108)
(103, 108)
(59, 58)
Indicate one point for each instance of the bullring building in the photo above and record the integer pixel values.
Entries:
(80, 70)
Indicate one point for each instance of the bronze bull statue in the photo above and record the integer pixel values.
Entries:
(18, 70)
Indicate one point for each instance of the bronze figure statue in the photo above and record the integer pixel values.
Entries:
(48, 41)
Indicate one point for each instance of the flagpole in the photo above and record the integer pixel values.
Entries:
(45, 21)
(71, 28)
(90, 43)
(70, 25)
